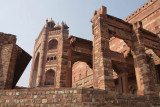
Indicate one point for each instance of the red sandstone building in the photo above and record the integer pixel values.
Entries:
(123, 58)
(60, 60)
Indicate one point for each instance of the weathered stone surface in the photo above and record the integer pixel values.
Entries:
(76, 97)
(13, 61)
(121, 62)
(117, 64)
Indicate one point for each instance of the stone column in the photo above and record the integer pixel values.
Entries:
(64, 69)
(42, 59)
(145, 83)
(103, 71)
(69, 74)
(123, 82)
(63, 62)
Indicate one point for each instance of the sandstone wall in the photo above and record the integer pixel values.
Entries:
(80, 70)
(49, 97)
(13, 61)
(149, 14)
(5, 54)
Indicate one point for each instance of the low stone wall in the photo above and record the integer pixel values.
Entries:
(50, 97)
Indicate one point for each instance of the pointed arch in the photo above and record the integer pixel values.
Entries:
(50, 77)
(52, 44)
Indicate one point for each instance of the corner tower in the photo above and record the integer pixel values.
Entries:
(50, 59)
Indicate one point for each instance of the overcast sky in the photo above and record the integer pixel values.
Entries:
(25, 19)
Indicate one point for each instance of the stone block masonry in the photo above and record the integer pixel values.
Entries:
(148, 14)
(120, 68)
(13, 61)
(116, 57)
(70, 97)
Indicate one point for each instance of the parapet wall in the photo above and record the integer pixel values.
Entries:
(139, 10)
(50, 97)
(149, 15)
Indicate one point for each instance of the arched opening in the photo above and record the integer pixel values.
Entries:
(124, 70)
(52, 44)
(55, 58)
(35, 70)
(47, 59)
(51, 58)
(50, 77)
(119, 45)
(124, 79)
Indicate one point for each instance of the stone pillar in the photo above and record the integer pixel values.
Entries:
(103, 71)
(42, 60)
(123, 82)
(145, 83)
(69, 74)
(63, 63)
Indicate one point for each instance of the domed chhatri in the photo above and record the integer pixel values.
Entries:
(50, 23)
(65, 25)
(57, 26)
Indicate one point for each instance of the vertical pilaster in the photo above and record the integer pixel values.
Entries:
(143, 74)
(103, 72)
(32, 70)
(41, 64)
(63, 65)
(69, 74)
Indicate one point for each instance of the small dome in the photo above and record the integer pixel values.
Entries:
(57, 26)
(51, 21)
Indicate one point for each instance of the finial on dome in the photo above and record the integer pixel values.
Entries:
(46, 20)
